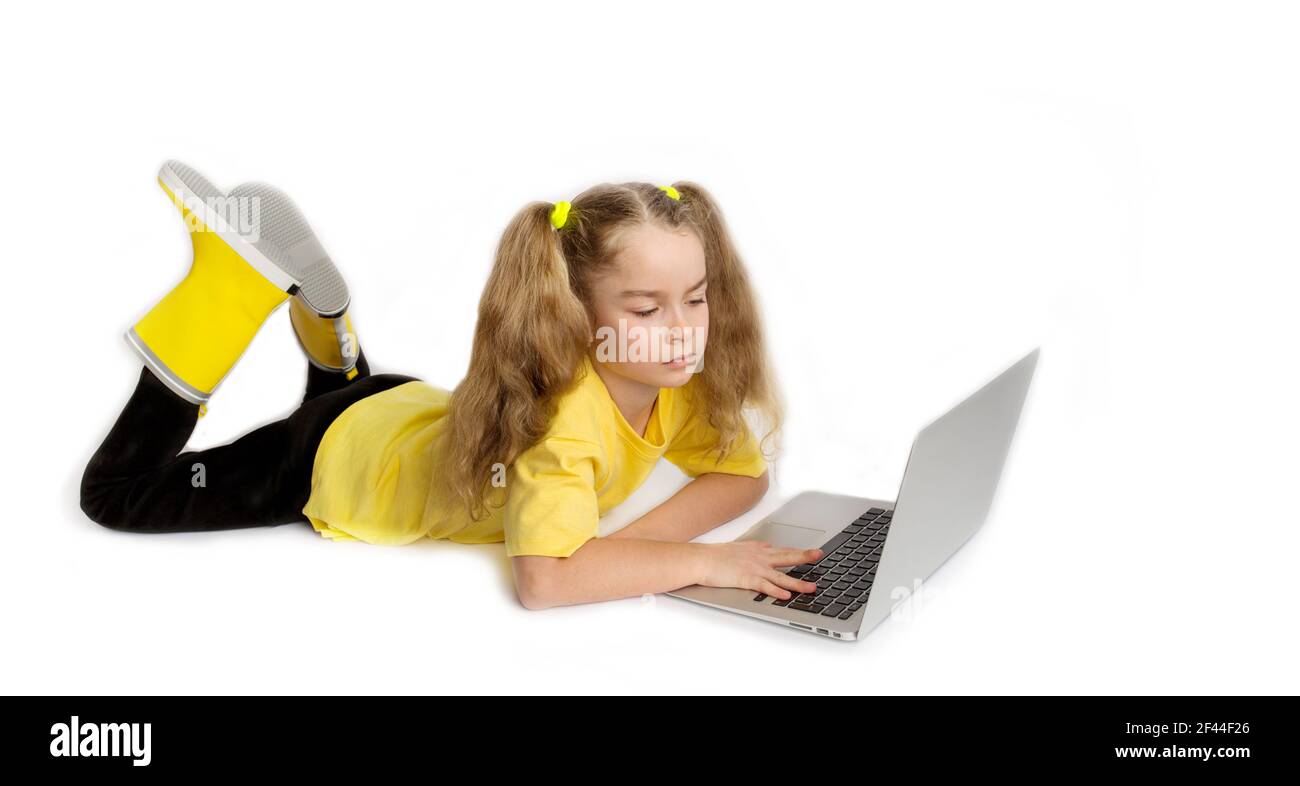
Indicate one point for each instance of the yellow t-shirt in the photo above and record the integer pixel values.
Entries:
(371, 479)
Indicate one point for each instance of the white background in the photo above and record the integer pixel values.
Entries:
(923, 192)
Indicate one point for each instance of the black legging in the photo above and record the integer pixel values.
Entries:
(140, 481)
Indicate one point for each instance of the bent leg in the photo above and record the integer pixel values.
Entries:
(320, 381)
(139, 481)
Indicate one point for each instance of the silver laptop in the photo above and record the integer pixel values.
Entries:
(873, 547)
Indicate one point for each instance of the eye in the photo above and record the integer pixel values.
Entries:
(646, 313)
(699, 301)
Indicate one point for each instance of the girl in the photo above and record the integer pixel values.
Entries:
(587, 368)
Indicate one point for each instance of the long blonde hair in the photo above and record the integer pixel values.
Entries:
(535, 323)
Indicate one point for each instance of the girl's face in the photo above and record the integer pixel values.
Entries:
(651, 310)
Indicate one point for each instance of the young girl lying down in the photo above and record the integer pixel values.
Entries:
(614, 330)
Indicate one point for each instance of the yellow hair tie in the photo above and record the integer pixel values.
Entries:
(671, 192)
(559, 214)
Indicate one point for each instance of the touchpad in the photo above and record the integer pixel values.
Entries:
(787, 535)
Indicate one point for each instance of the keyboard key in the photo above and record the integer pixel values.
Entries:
(760, 596)
(800, 606)
(834, 543)
(846, 615)
(876, 511)
(834, 610)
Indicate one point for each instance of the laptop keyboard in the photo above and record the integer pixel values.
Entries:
(844, 574)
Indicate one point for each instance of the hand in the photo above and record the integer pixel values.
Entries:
(752, 565)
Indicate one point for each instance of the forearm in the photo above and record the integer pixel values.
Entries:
(606, 569)
(699, 506)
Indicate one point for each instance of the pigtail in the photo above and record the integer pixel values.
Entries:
(736, 373)
(529, 341)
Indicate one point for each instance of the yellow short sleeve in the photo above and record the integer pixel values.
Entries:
(551, 507)
(695, 450)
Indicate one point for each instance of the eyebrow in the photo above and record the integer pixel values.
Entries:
(656, 292)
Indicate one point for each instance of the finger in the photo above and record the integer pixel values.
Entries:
(796, 556)
(772, 590)
(792, 583)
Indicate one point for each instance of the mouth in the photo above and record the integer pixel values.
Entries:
(680, 361)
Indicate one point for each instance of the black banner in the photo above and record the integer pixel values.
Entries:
(208, 736)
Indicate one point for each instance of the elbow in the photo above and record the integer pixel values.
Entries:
(531, 596)
(535, 582)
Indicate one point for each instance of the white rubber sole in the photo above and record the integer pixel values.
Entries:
(215, 222)
(287, 239)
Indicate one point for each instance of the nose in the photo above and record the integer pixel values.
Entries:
(677, 317)
(679, 328)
